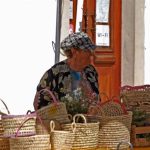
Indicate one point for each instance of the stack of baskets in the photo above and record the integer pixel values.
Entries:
(107, 129)
(137, 99)
(19, 133)
(115, 124)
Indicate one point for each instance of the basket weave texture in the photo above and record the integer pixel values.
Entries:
(33, 142)
(61, 140)
(125, 119)
(115, 123)
(112, 133)
(4, 142)
(1, 114)
(37, 142)
(86, 134)
(12, 122)
(136, 97)
(55, 111)
(115, 126)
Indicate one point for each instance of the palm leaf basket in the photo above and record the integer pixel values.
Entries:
(4, 142)
(32, 142)
(12, 122)
(136, 97)
(86, 134)
(112, 133)
(115, 124)
(61, 140)
(55, 111)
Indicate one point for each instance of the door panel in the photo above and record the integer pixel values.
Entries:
(107, 59)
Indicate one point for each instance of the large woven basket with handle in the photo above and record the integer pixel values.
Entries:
(61, 140)
(86, 134)
(55, 111)
(12, 122)
(32, 142)
(115, 123)
(112, 133)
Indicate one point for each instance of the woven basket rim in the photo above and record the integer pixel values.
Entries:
(18, 116)
(128, 88)
(129, 113)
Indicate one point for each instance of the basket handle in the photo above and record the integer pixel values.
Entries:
(52, 126)
(38, 94)
(73, 127)
(16, 135)
(79, 115)
(38, 117)
(29, 112)
(5, 107)
(23, 122)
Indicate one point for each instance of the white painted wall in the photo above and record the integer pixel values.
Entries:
(147, 42)
(27, 28)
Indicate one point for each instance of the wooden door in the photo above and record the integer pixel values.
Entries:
(107, 58)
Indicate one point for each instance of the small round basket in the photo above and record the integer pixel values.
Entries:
(61, 140)
(86, 134)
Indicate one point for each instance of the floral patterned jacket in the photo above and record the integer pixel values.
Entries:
(58, 80)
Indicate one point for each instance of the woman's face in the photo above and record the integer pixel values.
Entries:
(82, 58)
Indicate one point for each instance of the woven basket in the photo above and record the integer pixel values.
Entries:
(115, 129)
(125, 119)
(39, 128)
(55, 111)
(33, 142)
(4, 142)
(61, 140)
(37, 142)
(136, 97)
(112, 133)
(115, 124)
(86, 134)
(1, 114)
(12, 122)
